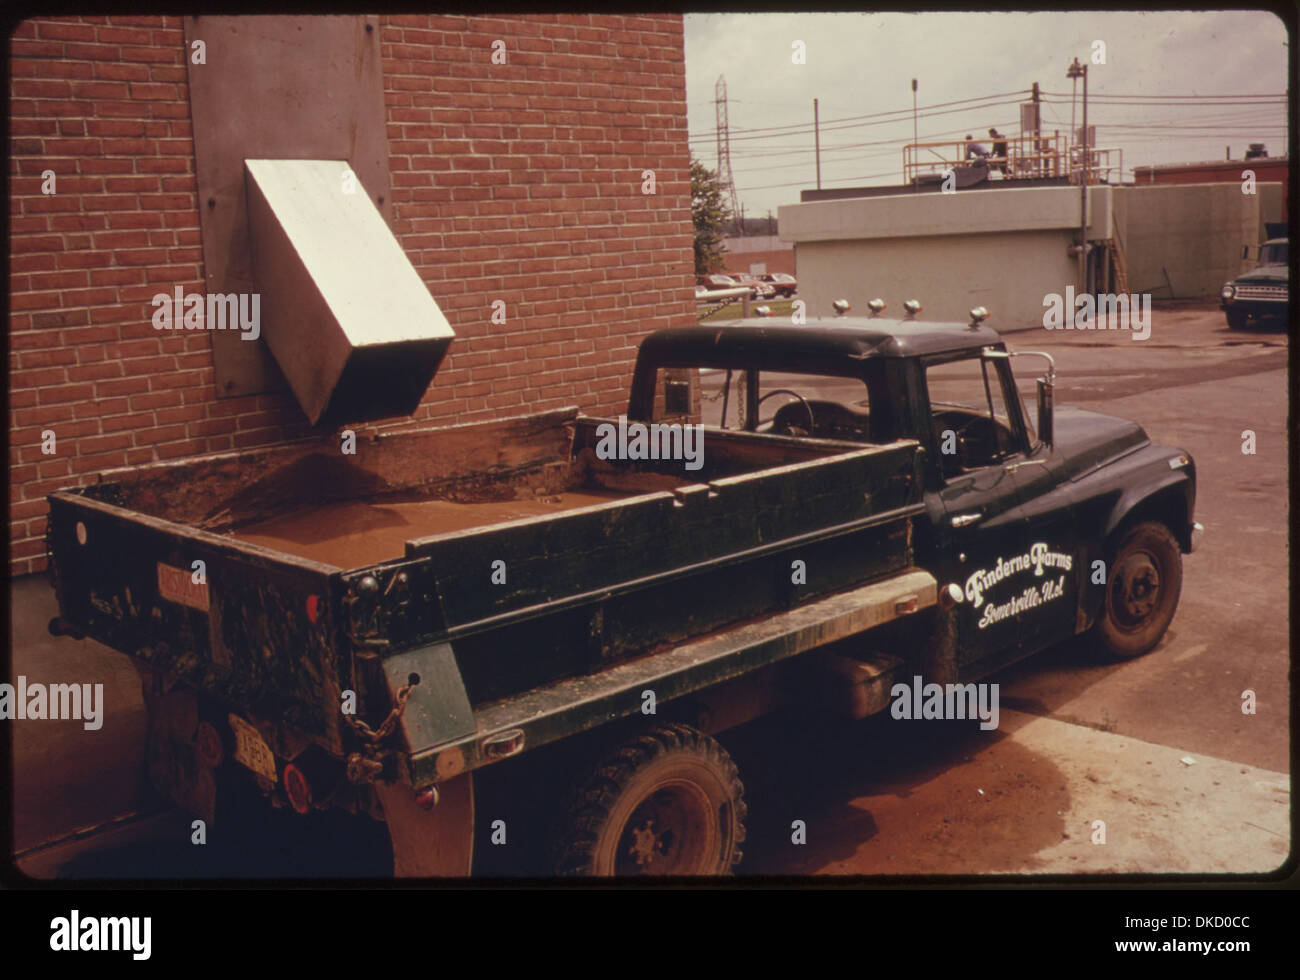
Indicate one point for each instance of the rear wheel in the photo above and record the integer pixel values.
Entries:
(669, 802)
(1143, 584)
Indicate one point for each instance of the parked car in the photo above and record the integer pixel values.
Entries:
(757, 288)
(785, 284)
(717, 281)
(1262, 292)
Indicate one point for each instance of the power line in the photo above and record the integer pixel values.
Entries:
(903, 114)
(1152, 95)
(836, 180)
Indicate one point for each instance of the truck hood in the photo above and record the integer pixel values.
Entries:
(1086, 440)
(1266, 274)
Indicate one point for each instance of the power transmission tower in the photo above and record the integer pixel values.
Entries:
(725, 176)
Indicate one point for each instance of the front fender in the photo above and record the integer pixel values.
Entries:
(1169, 497)
(1149, 488)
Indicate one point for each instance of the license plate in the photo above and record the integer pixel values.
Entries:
(178, 585)
(251, 749)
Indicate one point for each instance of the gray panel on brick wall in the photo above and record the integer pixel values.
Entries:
(299, 88)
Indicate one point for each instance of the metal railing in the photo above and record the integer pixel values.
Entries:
(711, 301)
(1023, 157)
(1105, 164)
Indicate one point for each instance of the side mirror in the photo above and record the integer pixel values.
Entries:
(677, 397)
(1045, 395)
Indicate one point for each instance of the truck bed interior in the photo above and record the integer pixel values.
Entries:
(352, 510)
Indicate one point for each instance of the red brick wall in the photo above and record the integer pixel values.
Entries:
(519, 182)
(778, 260)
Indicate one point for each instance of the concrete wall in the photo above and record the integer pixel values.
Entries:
(743, 253)
(1272, 204)
(776, 260)
(1007, 249)
(1192, 232)
(1006, 271)
(1004, 249)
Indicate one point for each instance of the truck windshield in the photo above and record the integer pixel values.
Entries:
(1273, 254)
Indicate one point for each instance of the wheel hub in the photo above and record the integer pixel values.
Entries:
(1136, 589)
(663, 835)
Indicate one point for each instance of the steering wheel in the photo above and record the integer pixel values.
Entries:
(979, 442)
(788, 430)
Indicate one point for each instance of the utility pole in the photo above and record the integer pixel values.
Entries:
(1037, 169)
(1087, 280)
(817, 144)
(915, 138)
(1075, 72)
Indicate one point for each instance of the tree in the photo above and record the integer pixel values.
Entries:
(709, 212)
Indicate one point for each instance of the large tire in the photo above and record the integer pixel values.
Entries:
(669, 802)
(1144, 579)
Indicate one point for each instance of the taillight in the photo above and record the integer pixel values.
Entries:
(297, 789)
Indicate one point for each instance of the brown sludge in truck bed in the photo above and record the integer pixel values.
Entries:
(354, 533)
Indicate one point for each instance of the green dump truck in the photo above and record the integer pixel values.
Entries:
(786, 517)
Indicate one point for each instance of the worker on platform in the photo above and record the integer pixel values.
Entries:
(999, 160)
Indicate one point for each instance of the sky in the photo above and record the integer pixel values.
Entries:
(862, 64)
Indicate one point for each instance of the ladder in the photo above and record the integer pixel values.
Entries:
(1118, 264)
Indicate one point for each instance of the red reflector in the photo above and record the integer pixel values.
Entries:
(297, 789)
(313, 607)
(906, 605)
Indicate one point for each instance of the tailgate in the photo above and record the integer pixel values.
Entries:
(256, 628)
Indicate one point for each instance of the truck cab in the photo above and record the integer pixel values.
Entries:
(1261, 293)
(1045, 523)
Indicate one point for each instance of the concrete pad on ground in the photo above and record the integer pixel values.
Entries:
(1025, 802)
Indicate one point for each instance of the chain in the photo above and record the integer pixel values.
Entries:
(376, 735)
(739, 394)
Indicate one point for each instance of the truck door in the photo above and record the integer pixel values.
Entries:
(979, 531)
(1056, 552)
(1010, 539)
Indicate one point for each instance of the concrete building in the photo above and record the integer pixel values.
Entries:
(759, 254)
(1266, 170)
(1006, 248)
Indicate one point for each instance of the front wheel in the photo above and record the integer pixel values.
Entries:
(1143, 584)
(669, 802)
(1237, 319)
